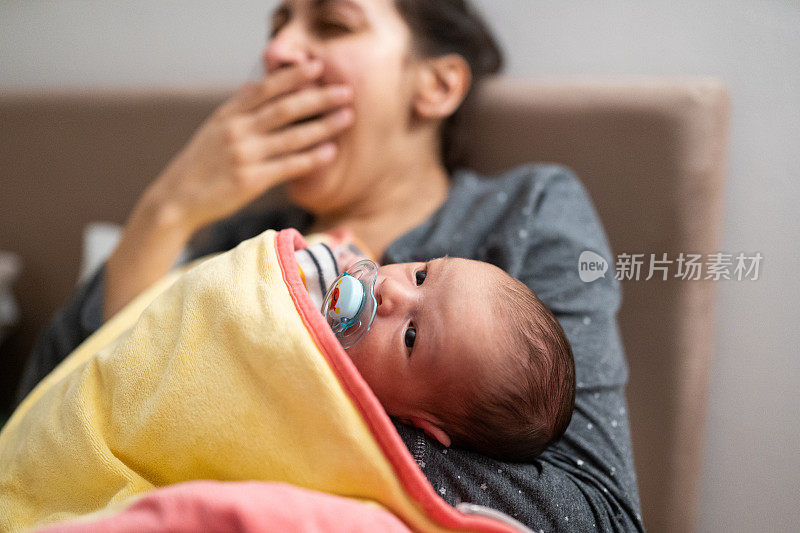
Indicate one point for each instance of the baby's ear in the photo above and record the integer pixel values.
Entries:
(431, 429)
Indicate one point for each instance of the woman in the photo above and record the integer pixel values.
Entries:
(358, 117)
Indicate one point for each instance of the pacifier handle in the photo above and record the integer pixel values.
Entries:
(349, 306)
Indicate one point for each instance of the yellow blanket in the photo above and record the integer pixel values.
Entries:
(222, 370)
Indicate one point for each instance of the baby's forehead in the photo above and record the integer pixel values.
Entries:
(475, 280)
(471, 317)
(459, 267)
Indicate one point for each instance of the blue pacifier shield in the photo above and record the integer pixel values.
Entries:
(350, 304)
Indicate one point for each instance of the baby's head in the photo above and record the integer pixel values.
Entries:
(470, 355)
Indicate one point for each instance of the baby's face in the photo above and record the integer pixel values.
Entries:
(433, 333)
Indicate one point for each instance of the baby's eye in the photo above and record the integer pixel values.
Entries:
(411, 336)
(420, 276)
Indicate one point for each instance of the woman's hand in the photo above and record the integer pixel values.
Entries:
(246, 146)
(250, 144)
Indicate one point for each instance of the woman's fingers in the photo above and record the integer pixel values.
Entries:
(251, 95)
(282, 169)
(301, 105)
(297, 137)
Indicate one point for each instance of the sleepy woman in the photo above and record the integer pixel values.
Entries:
(358, 116)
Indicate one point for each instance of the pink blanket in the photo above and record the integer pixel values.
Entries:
(245, 506)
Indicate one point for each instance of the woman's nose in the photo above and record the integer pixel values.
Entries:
(392, 298)
(287, 47)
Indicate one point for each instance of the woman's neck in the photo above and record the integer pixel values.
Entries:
(389, 211)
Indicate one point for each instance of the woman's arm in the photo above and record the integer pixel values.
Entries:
(150, 244)
(249, 144)
(585, 482)
(239, 152)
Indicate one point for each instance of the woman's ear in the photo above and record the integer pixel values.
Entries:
(442, 84)
(431, 429)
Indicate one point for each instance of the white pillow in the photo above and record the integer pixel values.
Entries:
(99, 240)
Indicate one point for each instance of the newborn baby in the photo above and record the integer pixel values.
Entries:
(216, 372)
(466, 353)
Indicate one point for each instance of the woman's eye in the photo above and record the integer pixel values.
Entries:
(411, 336)
(330, 26)
(420, 276)
(324, 26)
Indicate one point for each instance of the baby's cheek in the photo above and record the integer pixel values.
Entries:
(354, 352)
(359, 354)
(366, 357)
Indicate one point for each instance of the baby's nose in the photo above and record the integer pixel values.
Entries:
(384, 304)
(390, 297)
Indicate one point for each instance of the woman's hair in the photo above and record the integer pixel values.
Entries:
(442, 27)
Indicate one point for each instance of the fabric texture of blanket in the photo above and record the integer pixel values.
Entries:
(222, 370)
(240, 506)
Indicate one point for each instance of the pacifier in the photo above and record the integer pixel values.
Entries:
(350, 304)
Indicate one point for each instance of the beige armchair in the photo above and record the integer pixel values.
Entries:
(651, 153)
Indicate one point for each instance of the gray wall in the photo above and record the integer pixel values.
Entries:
(752, 467)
